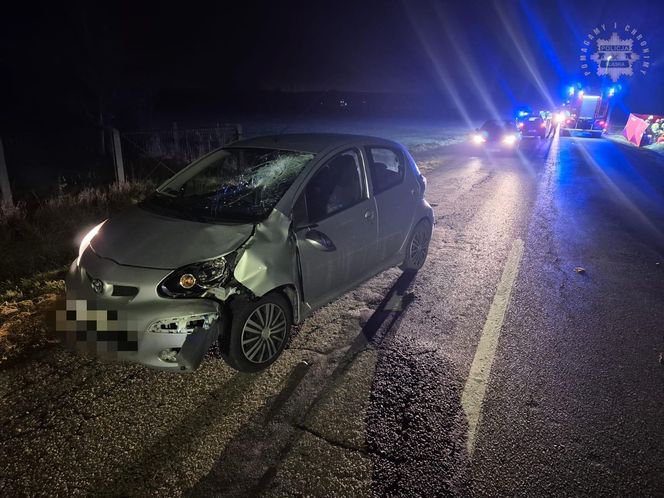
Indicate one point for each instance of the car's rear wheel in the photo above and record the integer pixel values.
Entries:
(417, 247)
(259, 332)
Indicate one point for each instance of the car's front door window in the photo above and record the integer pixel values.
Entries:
(336, 186)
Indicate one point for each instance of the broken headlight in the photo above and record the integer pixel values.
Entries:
(193, 280)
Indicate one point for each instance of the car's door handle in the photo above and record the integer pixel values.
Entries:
(320, 241)
(369, 215)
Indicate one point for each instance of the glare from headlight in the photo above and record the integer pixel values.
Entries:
(86, 241)
(478, 139)
(509, 139)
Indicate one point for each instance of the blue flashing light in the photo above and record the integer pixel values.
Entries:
(612, 91)
(523, 113)
(571, 90)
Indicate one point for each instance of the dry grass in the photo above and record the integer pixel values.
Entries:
(43, 237)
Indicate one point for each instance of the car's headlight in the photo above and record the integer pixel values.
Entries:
(478, 139)
(86, 241)
(509, 139)
(193, 280)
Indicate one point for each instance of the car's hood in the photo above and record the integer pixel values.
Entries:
(140, 238)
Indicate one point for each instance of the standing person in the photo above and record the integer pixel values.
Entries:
(647, 137)
(552, 128)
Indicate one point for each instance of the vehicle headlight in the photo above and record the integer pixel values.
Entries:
(193, 280)
(478, 139)
(509, 139)
(86, 241)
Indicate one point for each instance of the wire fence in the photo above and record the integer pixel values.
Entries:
(156, 155)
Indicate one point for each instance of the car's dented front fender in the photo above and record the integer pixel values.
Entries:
(267, 261)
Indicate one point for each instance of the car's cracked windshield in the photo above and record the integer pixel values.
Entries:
(234, 184)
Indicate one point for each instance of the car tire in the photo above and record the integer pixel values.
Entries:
(259, 331)
(417, 247)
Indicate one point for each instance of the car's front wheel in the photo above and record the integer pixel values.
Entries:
(259, 331)
(418, 246)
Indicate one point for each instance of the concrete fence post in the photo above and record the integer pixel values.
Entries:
(239, 131)
(117, 157)
(5, 187)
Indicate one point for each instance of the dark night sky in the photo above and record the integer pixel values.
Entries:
(475, 54)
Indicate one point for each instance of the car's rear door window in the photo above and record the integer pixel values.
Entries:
(386, 166)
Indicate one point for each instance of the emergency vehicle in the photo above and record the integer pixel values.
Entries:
(587, 114)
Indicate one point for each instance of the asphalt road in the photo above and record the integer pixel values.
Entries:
(522, 360)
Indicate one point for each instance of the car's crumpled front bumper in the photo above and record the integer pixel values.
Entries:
(114, 312)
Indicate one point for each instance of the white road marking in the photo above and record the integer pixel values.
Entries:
(475, 389)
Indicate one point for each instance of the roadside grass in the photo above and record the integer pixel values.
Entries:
(37, 244)
(45, 237)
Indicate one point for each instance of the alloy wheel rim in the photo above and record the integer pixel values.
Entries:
(263, 333)
(418, 248)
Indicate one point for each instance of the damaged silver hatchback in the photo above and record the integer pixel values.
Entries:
(242, 244)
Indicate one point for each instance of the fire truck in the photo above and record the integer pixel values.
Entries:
(586, 114)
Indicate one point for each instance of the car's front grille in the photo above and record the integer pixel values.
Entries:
(124, 291)
(118, 290)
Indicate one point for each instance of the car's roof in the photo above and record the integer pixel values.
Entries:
(309, 142)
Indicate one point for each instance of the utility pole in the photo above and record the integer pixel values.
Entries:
(5, 188)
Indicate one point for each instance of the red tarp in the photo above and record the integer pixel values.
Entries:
(636, 126)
